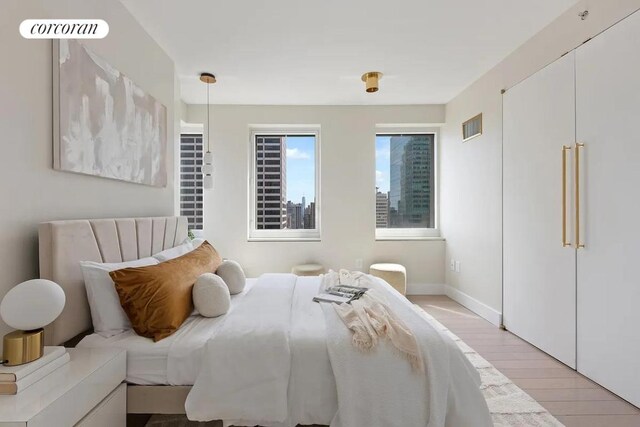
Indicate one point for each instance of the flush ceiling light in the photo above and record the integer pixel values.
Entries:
(371, 80)
(207, 167)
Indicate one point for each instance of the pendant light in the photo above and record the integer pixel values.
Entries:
(207, 166)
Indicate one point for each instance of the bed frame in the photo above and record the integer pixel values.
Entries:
(63, 244)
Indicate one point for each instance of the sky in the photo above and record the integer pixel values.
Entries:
(300, 168)
(383, 161)
(301, 162)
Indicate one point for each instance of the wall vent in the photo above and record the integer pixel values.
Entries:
(472, 128)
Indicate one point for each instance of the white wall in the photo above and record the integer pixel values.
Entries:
(471, 172)
(30, 190)
(347, 189)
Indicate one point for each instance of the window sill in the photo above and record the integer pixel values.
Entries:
(403, 238)
(284, 239)
(408, 234)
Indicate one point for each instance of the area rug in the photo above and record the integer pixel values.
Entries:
(509, 405)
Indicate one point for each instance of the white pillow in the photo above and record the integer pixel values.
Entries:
(185, 247)
(233, 276)
(211, 295)
(106, 312)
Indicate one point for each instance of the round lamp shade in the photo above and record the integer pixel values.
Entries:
(32, 304)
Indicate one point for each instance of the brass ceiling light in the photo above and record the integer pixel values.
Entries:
(371, 80)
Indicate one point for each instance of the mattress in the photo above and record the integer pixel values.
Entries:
(148, 361)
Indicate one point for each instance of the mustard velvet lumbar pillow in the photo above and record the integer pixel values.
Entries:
(211, 295)
(157, 299)
(233, 276)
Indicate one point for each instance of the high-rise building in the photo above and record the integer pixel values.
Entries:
(310, 216)
(271, 182)
(411, 181)
(382, 209)
(191, 184)
(295, 215)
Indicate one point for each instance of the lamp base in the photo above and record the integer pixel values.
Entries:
(20, 347)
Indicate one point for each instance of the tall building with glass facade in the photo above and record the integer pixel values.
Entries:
(411, 181)
(271, 182)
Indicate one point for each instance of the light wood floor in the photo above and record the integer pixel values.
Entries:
(570, 397)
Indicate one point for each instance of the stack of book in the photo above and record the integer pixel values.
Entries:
(14, 379)
(340, 294)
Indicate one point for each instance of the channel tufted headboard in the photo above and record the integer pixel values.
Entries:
(63, 244)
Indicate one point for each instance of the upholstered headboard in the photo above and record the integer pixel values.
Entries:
(63, 244)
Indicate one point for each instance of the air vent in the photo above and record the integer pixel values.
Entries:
(472, 128)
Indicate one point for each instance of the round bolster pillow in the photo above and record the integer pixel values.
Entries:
(211, 295)
(233, 276)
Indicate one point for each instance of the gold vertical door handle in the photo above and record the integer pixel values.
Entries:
(565, 242)
(577, 179)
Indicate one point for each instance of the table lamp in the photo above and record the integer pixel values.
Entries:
(29, 307)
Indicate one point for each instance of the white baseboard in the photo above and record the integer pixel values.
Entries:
(425, 289)
(480, 308)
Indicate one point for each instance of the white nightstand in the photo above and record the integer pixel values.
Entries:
(87, 391)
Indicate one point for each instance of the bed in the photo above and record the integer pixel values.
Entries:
(161, 375)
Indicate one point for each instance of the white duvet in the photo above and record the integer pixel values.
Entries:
(278, 360)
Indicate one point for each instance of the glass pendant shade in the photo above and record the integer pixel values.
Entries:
(207, 182)
(207, 170)
(208, 157)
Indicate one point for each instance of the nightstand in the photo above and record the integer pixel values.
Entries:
(87, 391)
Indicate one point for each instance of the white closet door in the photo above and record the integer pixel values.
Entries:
(608, 123)
(539, 272)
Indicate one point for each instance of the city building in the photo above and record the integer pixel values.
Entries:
(411, 181)
(382, 209)
(295, 215)
(310, 216)
(271, 182)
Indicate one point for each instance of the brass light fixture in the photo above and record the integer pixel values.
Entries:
(207, 166)
(371, 80)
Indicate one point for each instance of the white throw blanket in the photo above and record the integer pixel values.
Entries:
(370, 318)
(379, 389)
(277, 360)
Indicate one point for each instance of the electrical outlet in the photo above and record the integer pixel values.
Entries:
(359, 264)
(452, 265)
(457, 266)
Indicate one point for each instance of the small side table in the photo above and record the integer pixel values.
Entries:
(393, 274)
(87, 391)
(308, 270)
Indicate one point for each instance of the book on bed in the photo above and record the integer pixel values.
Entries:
(340, 294)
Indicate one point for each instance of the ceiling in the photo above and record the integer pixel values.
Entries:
(301, 52)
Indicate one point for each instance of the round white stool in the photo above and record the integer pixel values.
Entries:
(394, 274)
(308, 270)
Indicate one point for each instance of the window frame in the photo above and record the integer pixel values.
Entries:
(413, 233)
(284, 235)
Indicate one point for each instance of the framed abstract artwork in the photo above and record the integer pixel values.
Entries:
(104, 124)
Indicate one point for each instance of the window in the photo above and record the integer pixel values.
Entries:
(405, 186)
(284, 185)
(191, 179)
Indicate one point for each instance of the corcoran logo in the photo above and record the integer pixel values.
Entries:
(64, 29)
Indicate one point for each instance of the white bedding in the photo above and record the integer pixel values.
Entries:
(311, 390)
(253, 390)
(169, 361)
